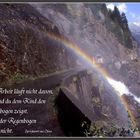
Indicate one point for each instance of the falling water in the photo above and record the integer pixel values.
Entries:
(122, 89)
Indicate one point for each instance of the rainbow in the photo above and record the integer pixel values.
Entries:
(92, 62)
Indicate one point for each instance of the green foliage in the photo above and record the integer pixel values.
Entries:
(119, 26)
(103, 129)
(118, 18)
(18, 78)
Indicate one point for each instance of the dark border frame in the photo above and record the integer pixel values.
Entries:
(61, 1)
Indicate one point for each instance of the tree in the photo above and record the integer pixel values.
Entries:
(116, 12)
(116, 16)
(110, 13)
(123, 17)
(124, 20)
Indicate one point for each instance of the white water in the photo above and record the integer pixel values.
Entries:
(122, 89)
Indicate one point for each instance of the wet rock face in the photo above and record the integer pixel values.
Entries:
(86, 25)
(98, 97)
(24, 45)
(134, 108)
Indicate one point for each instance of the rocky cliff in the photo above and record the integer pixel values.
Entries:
(25, 49)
